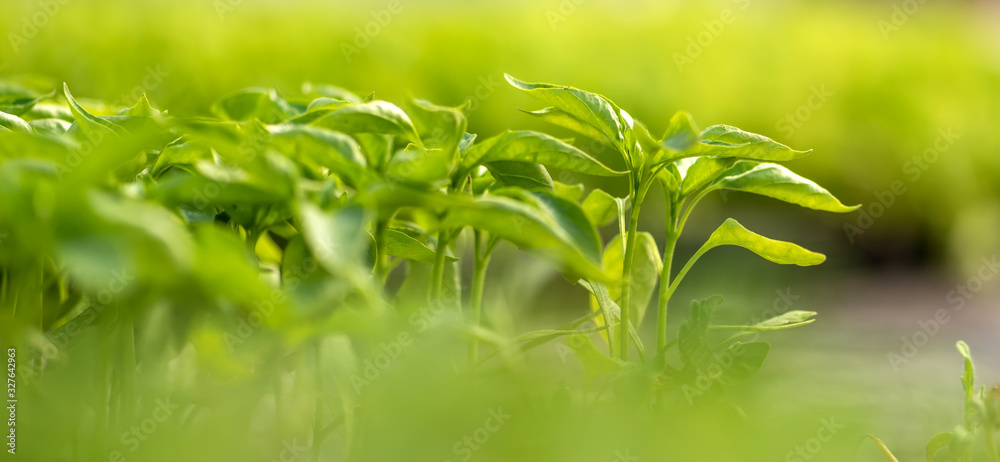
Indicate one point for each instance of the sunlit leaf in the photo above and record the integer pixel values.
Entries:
(536, 148)
(591, 109)
(776, 181)
(785, 253)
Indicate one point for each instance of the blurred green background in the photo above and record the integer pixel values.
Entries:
(866, 85)
(888, 89)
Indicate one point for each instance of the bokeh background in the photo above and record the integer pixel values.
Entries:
(883, 92)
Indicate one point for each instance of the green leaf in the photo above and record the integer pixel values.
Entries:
(539, 221)
(55, 126)
(776, 181)
(729, 141)
(439, 127)
(602, 302)
(149, 218)
(543, 336)
(93, 127)
(886, 453)
(337, 239)
(787, 320)
(20, 104)
(329, 91)
(468, 140)
(401, 244)
(681, 133)
(595, 363)
(785, 253)
(46, 110)
(376, 148)
(263, 104)
(590, 108)
(669, 178)
(701, 171)
(646, 141)
(969, 375)
(646, 268)
(611, 315)
(570, 192)
(937, 443)
(420, 167)
(217, 185)
(747, 358)
(692, 342)
(336, 151)
(962, 441)
(180, 155)
(329, 104)
(378, 117)
(560, 118)
(14, 123)
(521, 174)
(536, 148)
(140, 109)
(968, 383)
(600, 207)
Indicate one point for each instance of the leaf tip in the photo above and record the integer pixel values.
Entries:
(963, 349)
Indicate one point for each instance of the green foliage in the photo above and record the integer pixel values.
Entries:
(688, 164)
(323, 218)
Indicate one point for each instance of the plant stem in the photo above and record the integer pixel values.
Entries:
(129, 382)
(482, 261)
(664, 299)
(630, 240)
(680, 276)
(675, 225)
(381, 268)
(437, 279)
(251, 243)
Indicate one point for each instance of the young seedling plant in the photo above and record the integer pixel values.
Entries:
(981, 422)
(688, 164)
